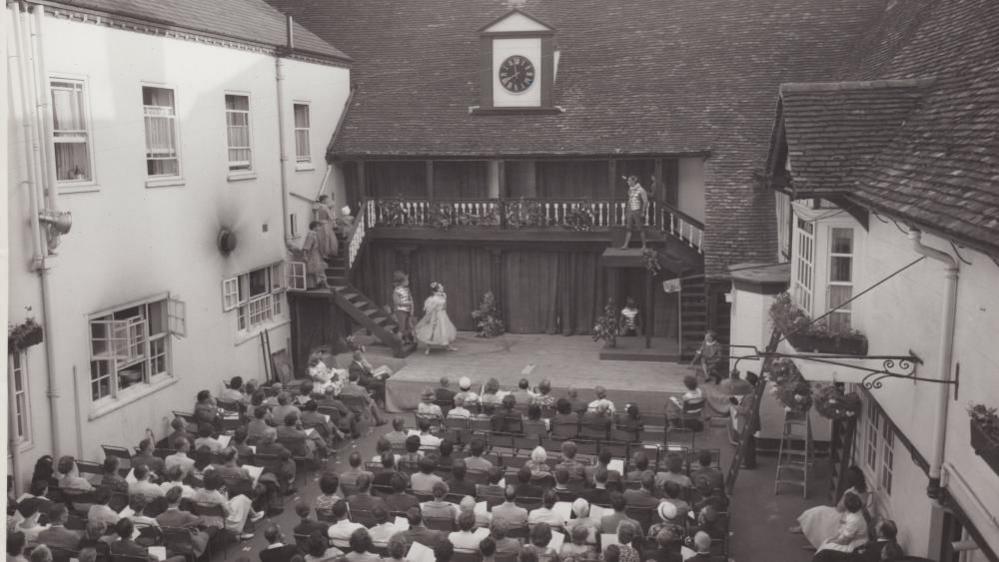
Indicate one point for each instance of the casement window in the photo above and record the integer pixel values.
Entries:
(237, 120)
(162, 153)
(872, 430)
(303, 150)
(130, 346)
(840, 287)
(804, 264)
(257, 296)
(18, 369)
(887, 457)
(71, 132)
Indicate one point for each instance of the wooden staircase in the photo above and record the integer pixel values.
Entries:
(365, 312)
(693, 315)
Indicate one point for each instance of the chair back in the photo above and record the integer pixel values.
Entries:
(60, 554)
(590, 431)
(565, 430)
(478, 425)
(149, 535)
(363, 516)
(445, 524)
(126, 558)
(519, 532)
(176, 539)
(88, 467)
(529, 503)
(477, 476)
(644, 516)
(527, 443)
(207, 510)
(617, 449)
(590, 448)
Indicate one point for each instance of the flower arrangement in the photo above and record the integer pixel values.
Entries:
(831, 402)
(821, 336)
(651, 259)
(579, 219)
(606, 327)
(790, 386)
(488, 323)
(985, 434)
(24, 335)
(393, 212)
(523, 213)
(446, 215)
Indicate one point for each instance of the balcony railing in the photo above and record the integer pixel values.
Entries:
(570, 214)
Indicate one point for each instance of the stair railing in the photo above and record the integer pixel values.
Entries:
(366, 218)
(683, 226)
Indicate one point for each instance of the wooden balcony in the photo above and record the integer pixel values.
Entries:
(520, 219)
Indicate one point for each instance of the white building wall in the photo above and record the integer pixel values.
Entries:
(130, 241)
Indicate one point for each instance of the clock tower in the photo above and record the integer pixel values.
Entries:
(518, 61)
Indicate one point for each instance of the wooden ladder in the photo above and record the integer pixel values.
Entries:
(794, 457)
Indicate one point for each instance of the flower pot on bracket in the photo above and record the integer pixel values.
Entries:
(985, 446)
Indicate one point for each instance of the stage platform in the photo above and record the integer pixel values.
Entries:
(565, 360)
(633, 349)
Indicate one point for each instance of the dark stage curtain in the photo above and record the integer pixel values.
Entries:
(461, 179)
(623, 283)
(466, 273)
(573, 179)
(401, 178)
(551, 292)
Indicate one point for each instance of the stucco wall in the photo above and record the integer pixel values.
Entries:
(130, 241)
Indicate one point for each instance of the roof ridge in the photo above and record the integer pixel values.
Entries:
(856, 85)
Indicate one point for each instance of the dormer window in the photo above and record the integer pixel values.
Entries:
(518, 51)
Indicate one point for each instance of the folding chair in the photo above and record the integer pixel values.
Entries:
(178, 540)
(462, 555)
(519, 532)
(363, 516)
(652, 435)
(223, 535)
(617, 449)
(149, 535)
(587, 448)
(680, 436)
(529, 503)
(552, 445)
(514, 461)
(503, 441)
(565, 430)
(445, 524)
(595, 432)
(60, 554)
(88, 467)
(479, 425)
(624, 435)
(526, 442)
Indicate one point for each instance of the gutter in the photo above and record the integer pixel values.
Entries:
(946, 351)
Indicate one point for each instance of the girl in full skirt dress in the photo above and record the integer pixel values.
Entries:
(820, 523)
(435, 329)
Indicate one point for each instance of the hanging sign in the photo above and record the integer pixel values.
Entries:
(671, 285)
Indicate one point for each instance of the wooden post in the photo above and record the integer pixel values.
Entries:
(430, 180)
(498, 288)
(657, 186)
(362, 187)
(612, 177)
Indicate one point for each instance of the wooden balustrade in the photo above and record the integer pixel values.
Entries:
(579, 214)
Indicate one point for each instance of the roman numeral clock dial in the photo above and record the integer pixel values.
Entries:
(516, 73)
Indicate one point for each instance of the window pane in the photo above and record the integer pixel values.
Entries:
(157, 318)
(301, 116)
(72, 161)
(302, 152)
(237, 102)
(842, 240)
(161, 133)
(168, 167)
(162, 97)
(841, 269)
(258, 282)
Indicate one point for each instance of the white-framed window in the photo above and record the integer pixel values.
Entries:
(237, 121)
(18, 369)
(162, 153)
(784, 218)
(257, 296)
(840, 287)
(71, 131)
(804, 264)
(303, 150)
(130, 345)
(872, 429)
(887, 470)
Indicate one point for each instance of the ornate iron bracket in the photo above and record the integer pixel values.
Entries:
(892, 366)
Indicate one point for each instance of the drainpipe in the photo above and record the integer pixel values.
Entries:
(44, 103)
(946, 352)
(282, 141)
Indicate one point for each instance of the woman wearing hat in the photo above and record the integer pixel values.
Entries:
(435, 328)
(465, 392)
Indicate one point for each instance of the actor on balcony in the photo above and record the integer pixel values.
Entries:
(435, 328)
(402, 305)
(315, 267)
(637, 205)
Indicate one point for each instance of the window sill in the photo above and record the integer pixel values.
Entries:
(69, 188)
(305, 167)
(129, 396)
(254, 333)
(166, 182)
(242, 175)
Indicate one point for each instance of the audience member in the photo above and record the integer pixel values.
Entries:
(319, 549)
(206, 438)
(30, 526)
(444, 551)
(57, 534)
(15, 547)
(505, 546)
(276, 550)
(577, 547)
(424, 480)
(490, 393)
(142, 486)
(577, 405)
(599, 494)
(543, 396)
(349, 477)
(258, 426)
(546, 514)
(397, 549)
(509, 512)
(459, 412)
(100, 511)
(144, 456)
(362, 500)
(306, 524)
(475, 461)
(341, 529)
(362, 547)
(487, 549)
(329, 483)
(438, 508)
(644, 496)
(180, 458)
(539, 538)
(397, 437)
(458, 483)
(465, 393)
(705, 471)
(427, 408)
(383, 529)
(626, 533)
(674, 473)
(465, 537)
(417, 532)
(70, 479)
(610, 522)
(577, 470)
(176, 518)
(399, 500)
(640, 463)
(581, 510)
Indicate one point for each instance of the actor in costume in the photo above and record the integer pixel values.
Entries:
(435, 328)
(315, 266)
(402, 305)
(323, 213)
(630, 322)
(637, 205)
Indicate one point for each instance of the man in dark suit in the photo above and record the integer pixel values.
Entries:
(35, 501)
(524, 487)
(306, 525)
(276, 550)
(599, 495)
(457, 483)
(383, 478)
(145, 456)
(443, 394)
(176, 518)
(705, 475)
(399, 500)
(179, 427)
(362, 369)
(363, 500)
(419, 533)
(645, 496)
(57, 534)
(125, 546)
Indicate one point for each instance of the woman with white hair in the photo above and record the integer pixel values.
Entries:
(435, 329)
(581, 509)
(539, 463)
(465, 392)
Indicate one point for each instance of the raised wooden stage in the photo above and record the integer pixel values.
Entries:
(565, 360)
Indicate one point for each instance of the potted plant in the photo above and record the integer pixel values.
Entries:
(814, 337)
(651, 259)
(488, 323)
(606, 328)
(24, 335)
(985, 434)
(831, 402)
(790, 386)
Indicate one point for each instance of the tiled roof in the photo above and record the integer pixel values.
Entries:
(248, 20)
(834, 129)
(635, 77)
(940, 168)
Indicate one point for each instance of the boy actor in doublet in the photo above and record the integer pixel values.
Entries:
(402, 305)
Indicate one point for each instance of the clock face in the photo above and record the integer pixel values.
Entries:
(516, 73)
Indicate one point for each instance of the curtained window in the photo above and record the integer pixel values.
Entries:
(237, 121)
(400, 178)
(162, 156)
(70, 133)
(573, 179)
(303, 150)
(462, 179)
